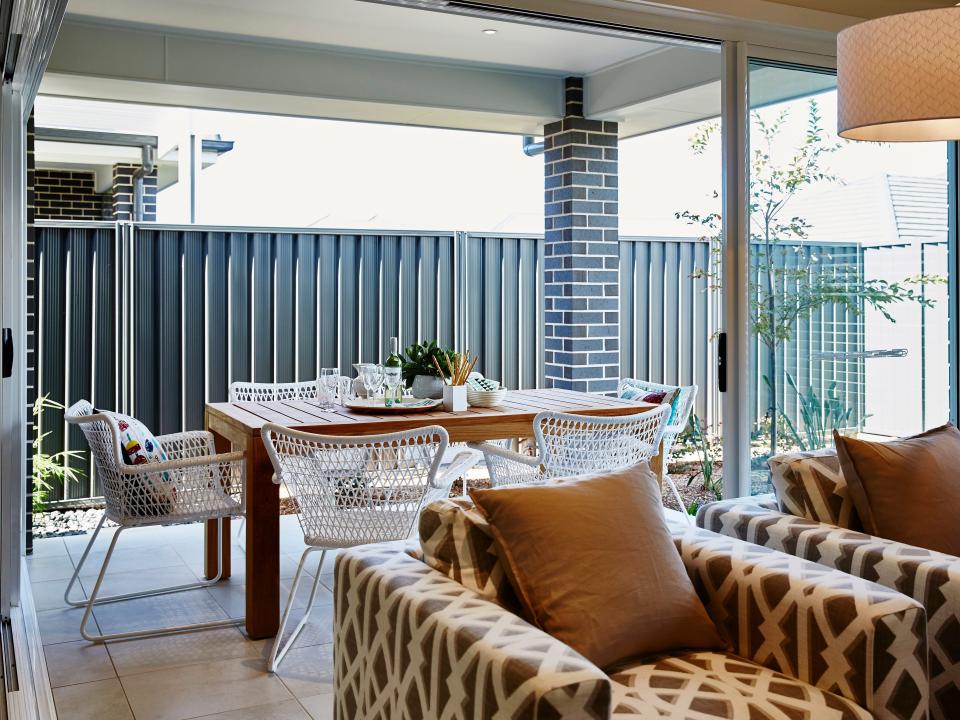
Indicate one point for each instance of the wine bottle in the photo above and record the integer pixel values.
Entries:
(392, 372)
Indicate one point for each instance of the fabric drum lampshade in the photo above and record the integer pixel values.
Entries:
(898, 78)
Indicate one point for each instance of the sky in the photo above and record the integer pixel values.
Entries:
(299, 172)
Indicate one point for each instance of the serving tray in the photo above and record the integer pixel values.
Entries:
(375, 405)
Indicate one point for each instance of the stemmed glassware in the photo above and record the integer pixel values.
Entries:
(372, 377)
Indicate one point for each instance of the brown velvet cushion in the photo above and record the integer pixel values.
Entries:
(594, 565)
(907, 490)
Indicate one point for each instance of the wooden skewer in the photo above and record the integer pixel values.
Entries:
(470, 369)
(439, 369)
(446, 359)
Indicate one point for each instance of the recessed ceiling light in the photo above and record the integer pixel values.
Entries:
(489, 31)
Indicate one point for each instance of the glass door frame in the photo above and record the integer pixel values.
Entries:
(733, 349)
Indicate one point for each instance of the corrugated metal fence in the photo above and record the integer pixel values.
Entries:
(156, 320)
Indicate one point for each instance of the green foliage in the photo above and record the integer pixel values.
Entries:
(706, 455)
(789, 282)
(418, 360)
(818, 418)
(49, 468)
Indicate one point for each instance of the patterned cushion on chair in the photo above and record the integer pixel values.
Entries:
(457, 541)
(138, 446)
(719, 685)
(811, 485)
(653, 393)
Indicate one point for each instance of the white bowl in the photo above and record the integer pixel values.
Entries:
(485, 398)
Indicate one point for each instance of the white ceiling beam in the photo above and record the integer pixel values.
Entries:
(123, 63)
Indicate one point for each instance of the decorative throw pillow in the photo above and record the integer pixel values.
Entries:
(907, 490)
(652, 393)
(457, 540)
(593, 563)
(811, 485)
(153, 495)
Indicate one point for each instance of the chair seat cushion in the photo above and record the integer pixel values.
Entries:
(705, 685)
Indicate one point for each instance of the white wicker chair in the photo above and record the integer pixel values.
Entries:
(676, 424)
(269, 392)
(197, 484)
(569, 445)
(354, 491)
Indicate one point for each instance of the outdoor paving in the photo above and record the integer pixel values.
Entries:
(214, 674)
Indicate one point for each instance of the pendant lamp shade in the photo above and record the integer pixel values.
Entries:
(898, 78)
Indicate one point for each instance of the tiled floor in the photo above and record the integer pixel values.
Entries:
(214, 674)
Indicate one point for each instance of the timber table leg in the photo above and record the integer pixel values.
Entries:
(263, 544)
(210, 538)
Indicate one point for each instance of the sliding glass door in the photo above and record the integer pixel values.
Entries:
(847, 275)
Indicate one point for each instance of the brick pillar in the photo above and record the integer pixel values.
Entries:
(123, 192)
(582, 255)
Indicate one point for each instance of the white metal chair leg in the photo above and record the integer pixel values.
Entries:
(676, 494)
(280, 648)
(83, 559)
(95, 600)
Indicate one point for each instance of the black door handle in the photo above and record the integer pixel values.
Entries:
(722, 362)
(7, 352)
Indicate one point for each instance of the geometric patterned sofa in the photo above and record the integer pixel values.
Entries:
(411, 643)
(931, 578)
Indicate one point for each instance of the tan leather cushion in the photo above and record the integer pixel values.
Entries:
(594, 565)
(907, 490)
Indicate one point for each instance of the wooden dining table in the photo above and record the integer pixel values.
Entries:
(237, 426)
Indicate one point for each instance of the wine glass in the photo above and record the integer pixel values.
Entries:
(372, 376)
(328, 387)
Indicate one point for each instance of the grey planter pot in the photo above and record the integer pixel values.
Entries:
(427, 386)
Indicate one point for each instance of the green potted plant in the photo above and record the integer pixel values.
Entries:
(421, 373)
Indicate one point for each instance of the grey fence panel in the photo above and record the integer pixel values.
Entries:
(330, 295)
(218, 318)
(306, 345)
(285, 315)
(157, 320)
(666, 321)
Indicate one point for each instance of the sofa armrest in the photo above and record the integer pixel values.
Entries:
(830, 629)
(410, 642)
(929, 577)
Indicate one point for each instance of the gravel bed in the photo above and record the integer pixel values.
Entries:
(60, 523)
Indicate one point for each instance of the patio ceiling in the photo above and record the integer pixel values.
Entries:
(344, 59)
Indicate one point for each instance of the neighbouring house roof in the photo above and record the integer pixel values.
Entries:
(879, 210)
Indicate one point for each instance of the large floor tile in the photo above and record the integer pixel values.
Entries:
(48, 594)
(120, 583)
(287, 710)
(308, 671)
(320, 707)
(49, 567)
(131, 657)
(183, 608)
(231, 596)
(132, 559)
(319, 627)
(102, 700)
(204, 689)
(63, 625)
(48, 547)
(77, 662)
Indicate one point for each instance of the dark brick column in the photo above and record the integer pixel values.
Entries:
(123, 193)
(582, 259)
